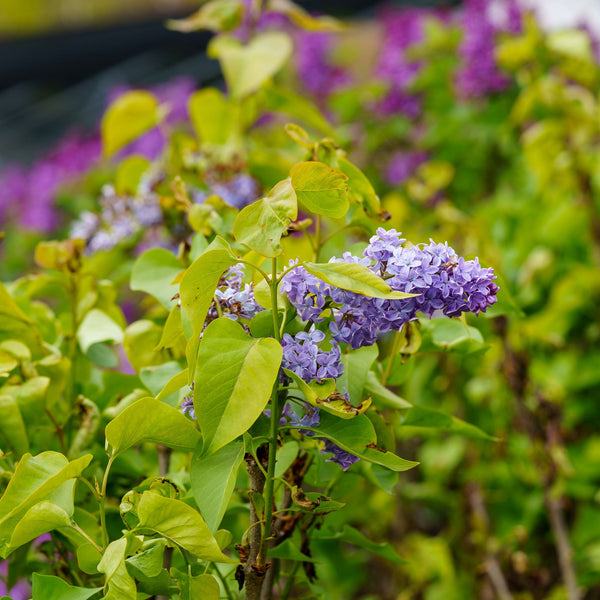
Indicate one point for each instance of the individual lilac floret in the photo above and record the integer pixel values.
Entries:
(302, 355)
(187, 404)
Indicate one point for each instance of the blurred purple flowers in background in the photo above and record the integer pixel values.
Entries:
(479, 74)
(313, 63)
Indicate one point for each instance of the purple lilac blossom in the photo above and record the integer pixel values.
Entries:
(479, 74)
(303, 356)
(236, 299)
(187, 404)
(402, 165)
(315, 70)
(444, 283)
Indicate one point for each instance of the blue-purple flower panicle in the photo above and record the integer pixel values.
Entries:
(444, 283)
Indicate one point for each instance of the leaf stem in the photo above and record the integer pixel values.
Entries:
(102, 502)
(393, 352)
(317, 245)
(290, 581)
(86, 536)
(223, 581)
(274, 432)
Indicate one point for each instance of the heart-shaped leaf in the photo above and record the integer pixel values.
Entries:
(247, 67)
(261, 225)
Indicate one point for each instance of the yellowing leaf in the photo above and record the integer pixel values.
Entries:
(127, 118)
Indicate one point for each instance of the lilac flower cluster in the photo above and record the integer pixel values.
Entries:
(303, 356)
(444, 283)
(239, 191)
(120, 219)
(236, 299)
(479, 74)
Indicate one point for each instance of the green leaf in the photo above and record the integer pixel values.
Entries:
(7, 362)
(360, 187)
(452, 335)
(204, 587)
(157, 377)
(12, 427)
(149, 561)
(40, 518)
(353, 536)
(121, 586)
(357, 436)
(283, 100)
(212, 115)
(247, 67)
(197, 289)
(320, 189)
(153, 272)
(303, 19)
(16, 349)
(47, 587)
(328, 399)
(213, 479)
(129, 116)
(355, 278)
(47, 476)
(8, 307)
(129, 174)
(150, 420)
(215, 15)
(237, 376)
(174, 384)
(287, 550)
(261, 224)
(417, 416)
(88, 558)
(96, 327)
(382, 397)
(357, 364)
(172, 334)
(180, 524)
